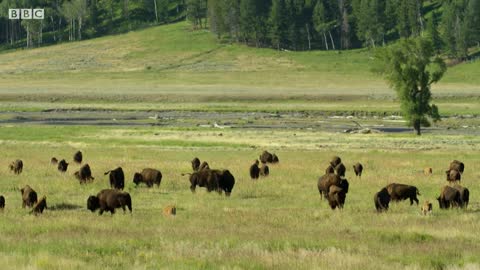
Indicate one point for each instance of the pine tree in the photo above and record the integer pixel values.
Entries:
(432, 32)
(276, 21)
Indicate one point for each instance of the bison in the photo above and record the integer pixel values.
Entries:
(381, 200)
(264, 170)
(54, 161)
(275, 158)
(266, 157)
(62, 166)
(464, 195)
(457, 165)
(226, 181)
(16, 166)
(449, 197)
(327, 180)
(219, 180)
(329, 169)
(149, 177)
(453, 175)
(427, 171)
(195, 164)
(340, 169)
(336, 197)
(2, 202)
(84, 174)
(335, 161)
(358, 169)
(399, 192)
(40, 206)
(427, 208)
(254, 170)
(204, 166)
(77, 157)
(117, 178)
(29, 196)
(170, 210)
(109, 200)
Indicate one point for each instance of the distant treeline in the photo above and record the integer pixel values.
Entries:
(452, 25)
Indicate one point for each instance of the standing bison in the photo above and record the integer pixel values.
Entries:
(84, 174)
(340, 169)
(453, 175)
(464, 195)
(40, 206)
(77, 157)
(336, 197)
(264, 170)
(149, 177)
(62, 166)
(29, 196)
(457, 165)
(335, 161)
(399, 192)
(326, 181)
(117, 178)
(358, 169)
(54, 161)
(109, 200)
(449, 197)
(267, 157)
(195, 164)
(16, 166)
(204, 166)
(2, 202)
(219, 180)
(381, 200)
(254, 170)
(329, 169)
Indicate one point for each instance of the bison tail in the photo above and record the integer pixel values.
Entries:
(107, 172)
(183, 174)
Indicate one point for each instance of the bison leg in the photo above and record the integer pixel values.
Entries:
(192, 188)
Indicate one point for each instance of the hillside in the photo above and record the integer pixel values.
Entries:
(174, 59)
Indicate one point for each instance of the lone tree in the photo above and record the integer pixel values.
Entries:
(410, 68)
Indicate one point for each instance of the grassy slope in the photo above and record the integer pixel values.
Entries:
(276, 223)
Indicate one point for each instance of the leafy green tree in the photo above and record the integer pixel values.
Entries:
(433, 33)
(278, 14)
(410, 68)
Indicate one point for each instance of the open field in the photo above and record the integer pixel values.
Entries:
(277, 223)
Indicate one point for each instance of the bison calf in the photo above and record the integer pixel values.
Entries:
(170, 210)
(109, 200)
(426, 208)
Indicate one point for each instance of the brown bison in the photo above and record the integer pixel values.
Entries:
(204, 166)
(16, 166)
(264, 170)
(117, 178)
(84, 174)
(195, 164)
(109, 200)
(335, 161)
(219, 180)
(427, 171)
(2, 202)
(449, 197)
(336, 197)
(457, 165)
(40, 206)
(254, 170)
(340, 169)
(329, 169)
(62, 166)
(77, 157)
(275, 158)
(381, 200)
(426, 208)
(149, 177)
(170, 210)
(327, 180)
(267, 157)
(358, 169)
(29, 196)
(453, 175)
(54, 161)
(399, 192)
(464, 195)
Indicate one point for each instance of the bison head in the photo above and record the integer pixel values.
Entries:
(93, 203)
(137, 178)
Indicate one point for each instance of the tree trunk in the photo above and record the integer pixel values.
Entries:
(156, 11)
(308, 37)
(417, 127)
(325, 39)
(331, 39)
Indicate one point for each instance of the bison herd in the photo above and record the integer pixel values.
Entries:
(333, 186)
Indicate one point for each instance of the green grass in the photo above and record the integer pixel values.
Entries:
(277, 223)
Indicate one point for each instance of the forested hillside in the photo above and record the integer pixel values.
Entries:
(452, 25)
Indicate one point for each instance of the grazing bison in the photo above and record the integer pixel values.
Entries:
(117, 178)
(427, 208)
(29, 196)
(204, 166)
(464, 195)
(54, 161)
(62, 166)
(16, 166)
(275, 159)
(195, 164)
(358, 169)
(329, 169)
(427, 171)
(336, 197)
(226, 181)
(77, 157)
(2, 202)
(335, 161)
(148, 176)
(170, 210)
(381, 200)
(40, 206)
(457, 165)
(266, 157)
(84, 174)
(340, 169)
(327, 180)
(109, 200)
(254, 170)
(449, 197)
(264, 170)
(219, 180)
(453, 175)
(399, 192)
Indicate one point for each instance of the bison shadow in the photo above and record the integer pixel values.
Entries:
(64, 207)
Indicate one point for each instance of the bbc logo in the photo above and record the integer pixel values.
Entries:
(26, 14)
